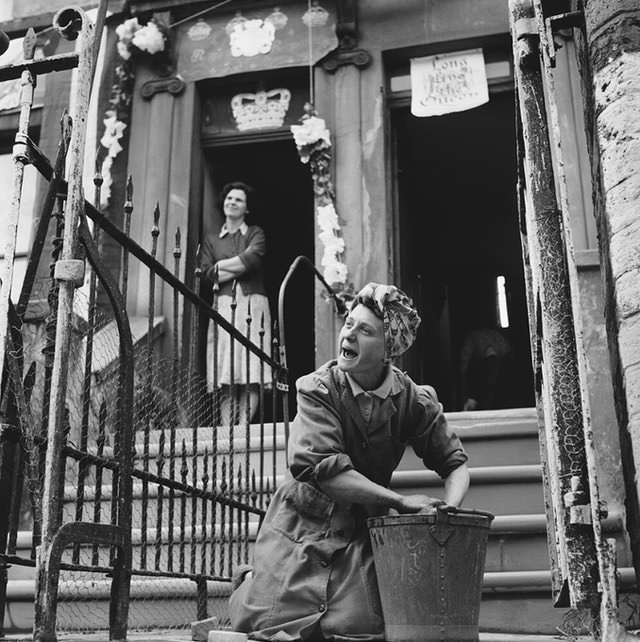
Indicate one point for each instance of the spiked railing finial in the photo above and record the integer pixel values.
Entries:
(177, 251)
(156, 220)
(216, 278)
(29, 44)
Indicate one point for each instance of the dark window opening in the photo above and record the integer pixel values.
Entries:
(283, 207)
(459, 250)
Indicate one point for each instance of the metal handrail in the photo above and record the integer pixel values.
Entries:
(340, 309)
(338, 302)
(46, 169)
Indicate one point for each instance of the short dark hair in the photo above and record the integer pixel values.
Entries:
(247, 189)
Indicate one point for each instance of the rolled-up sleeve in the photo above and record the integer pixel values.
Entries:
(256, 249)
(433, 440)
(316, 445)
(207, 260)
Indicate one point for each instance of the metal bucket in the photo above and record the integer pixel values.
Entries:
(429, 570)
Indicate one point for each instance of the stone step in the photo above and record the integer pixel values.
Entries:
(403, 480)
(504, 490)
(512, 603)
(517, 543)
(207, 445)
(491, 438)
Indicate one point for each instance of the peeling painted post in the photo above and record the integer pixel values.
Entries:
(609, 614)
(610, 57)
(72, 23)
(548, 253)
(610, 628)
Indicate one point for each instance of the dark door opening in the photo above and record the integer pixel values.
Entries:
(458, 233)
(283, 207)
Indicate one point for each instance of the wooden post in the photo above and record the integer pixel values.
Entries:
(606, 561)
(70, 272)
(554, 315)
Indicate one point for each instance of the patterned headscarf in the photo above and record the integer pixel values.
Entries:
(399, 317)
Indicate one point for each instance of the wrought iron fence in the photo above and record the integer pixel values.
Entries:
(145, 489)
(196, 488)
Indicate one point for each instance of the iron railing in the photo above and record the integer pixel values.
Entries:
(126, 469)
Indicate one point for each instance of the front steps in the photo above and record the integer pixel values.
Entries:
(506, 480)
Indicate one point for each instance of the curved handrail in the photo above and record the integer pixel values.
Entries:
(340, 309)
(338, 302)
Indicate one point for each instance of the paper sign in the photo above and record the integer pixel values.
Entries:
(448, 83)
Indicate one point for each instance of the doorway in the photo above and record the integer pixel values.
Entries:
(283, 208)
(458, 242)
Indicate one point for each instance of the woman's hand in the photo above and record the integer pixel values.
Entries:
(417, 504)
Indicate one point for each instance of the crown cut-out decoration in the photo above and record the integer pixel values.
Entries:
(262, 110)
(277, 19)
(236, 21)
(316, 16)
(199, 31)
(251, 37)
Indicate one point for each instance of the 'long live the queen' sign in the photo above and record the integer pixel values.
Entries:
(448, 83)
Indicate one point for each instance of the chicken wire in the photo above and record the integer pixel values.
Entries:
(183, 461)
(584, 624)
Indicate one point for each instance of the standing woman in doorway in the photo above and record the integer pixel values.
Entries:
(237, 253)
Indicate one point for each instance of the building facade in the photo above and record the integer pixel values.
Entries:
(443, 205)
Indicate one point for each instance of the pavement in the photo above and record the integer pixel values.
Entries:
(184, 636)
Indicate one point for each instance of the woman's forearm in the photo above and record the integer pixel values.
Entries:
(229, 269)
(233, 265)
(456, 485)
(225, 276)
(352, 487)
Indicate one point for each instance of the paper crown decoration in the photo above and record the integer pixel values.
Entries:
(199, 31)
(250, 37)
(315, 16)
(262, 110)
(277, 19)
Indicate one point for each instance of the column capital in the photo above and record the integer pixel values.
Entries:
(347, 52)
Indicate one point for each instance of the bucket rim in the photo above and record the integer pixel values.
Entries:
(469, 517)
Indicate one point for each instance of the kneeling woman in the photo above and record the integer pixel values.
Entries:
(313, 576)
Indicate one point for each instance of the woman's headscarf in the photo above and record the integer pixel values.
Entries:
(399, 317)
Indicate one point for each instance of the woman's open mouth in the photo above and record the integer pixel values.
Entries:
(347, 353)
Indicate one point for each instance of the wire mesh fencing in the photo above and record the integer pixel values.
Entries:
(199, 486)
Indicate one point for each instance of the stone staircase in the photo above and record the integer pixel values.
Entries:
(505, 480)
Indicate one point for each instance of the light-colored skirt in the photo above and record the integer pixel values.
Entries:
(220, 349)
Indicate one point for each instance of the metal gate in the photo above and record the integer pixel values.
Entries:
(118, 483)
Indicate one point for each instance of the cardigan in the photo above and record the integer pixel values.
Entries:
(247, 243)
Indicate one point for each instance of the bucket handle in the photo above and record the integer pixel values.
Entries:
(441, 531)
(454, 510)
